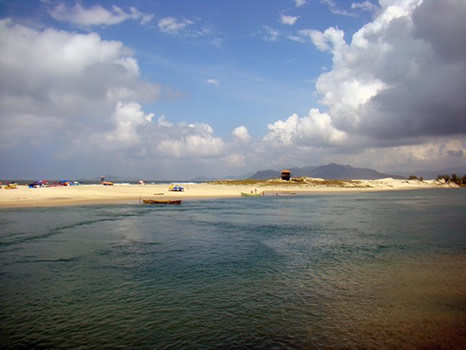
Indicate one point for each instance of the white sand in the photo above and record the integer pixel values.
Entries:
(99, 194)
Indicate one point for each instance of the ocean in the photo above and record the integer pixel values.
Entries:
(380, 270)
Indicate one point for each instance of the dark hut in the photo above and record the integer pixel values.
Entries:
(286, 175)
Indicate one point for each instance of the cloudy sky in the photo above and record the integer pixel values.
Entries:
(178, 89)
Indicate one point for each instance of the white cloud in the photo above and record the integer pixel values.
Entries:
(127, 117)
(162, 121)
(74, 86)
(82, 99)
(296, 38)
(300, 3)
(331, 39)
(380, 83)
(315, 129)
(271, 34)
(96, 15)
(212, 82)
(288, 20)
(397, 76)
(188, 140)
(133, 131)
(241, 134)
(364, 6)
(236, 160)
(171, 25)
(332, 6)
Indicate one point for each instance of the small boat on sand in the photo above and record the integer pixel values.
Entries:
(160, 201)
(244, 194)
(285, 193)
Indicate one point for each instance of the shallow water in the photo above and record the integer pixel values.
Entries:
(367, 270)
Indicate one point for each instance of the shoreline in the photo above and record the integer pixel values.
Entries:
(24, 197)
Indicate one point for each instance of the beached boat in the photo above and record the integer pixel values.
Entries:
(285, 193)
(243, 194)
(161, 201)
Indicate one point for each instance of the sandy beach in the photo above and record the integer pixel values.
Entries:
(23, 196)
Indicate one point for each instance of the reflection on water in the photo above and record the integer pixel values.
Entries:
(371, 270)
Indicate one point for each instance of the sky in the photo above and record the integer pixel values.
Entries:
(179, 89)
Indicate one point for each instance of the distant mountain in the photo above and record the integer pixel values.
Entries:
(329, 171)
(265, 174)
(346, 172)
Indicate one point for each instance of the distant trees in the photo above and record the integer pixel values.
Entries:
(453, 178)
(444, 177)
(414, 177)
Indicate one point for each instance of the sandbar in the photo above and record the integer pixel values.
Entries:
(23, 196)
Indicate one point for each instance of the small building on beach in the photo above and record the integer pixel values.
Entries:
(286, 175)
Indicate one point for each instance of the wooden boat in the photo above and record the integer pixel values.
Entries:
(243, 194)
(161, 201)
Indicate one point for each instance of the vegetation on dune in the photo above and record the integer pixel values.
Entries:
(236, 182)
(453, 179)
(414, 177)
(298, 181)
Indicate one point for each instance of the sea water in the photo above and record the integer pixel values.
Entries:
(364, 270)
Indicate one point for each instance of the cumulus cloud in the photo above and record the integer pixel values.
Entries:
(77, 81)
(401, 78)
(186, 140)
(288, 20)
(394, 94)
(83, 98)
(134, 131)
(315, 129)
(96, 15)
(241, 134)
(127, 118)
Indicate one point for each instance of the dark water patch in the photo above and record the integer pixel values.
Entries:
(33, 260)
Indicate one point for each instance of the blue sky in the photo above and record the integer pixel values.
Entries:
(178, 89)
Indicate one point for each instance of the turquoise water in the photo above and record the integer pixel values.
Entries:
(366, 270)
